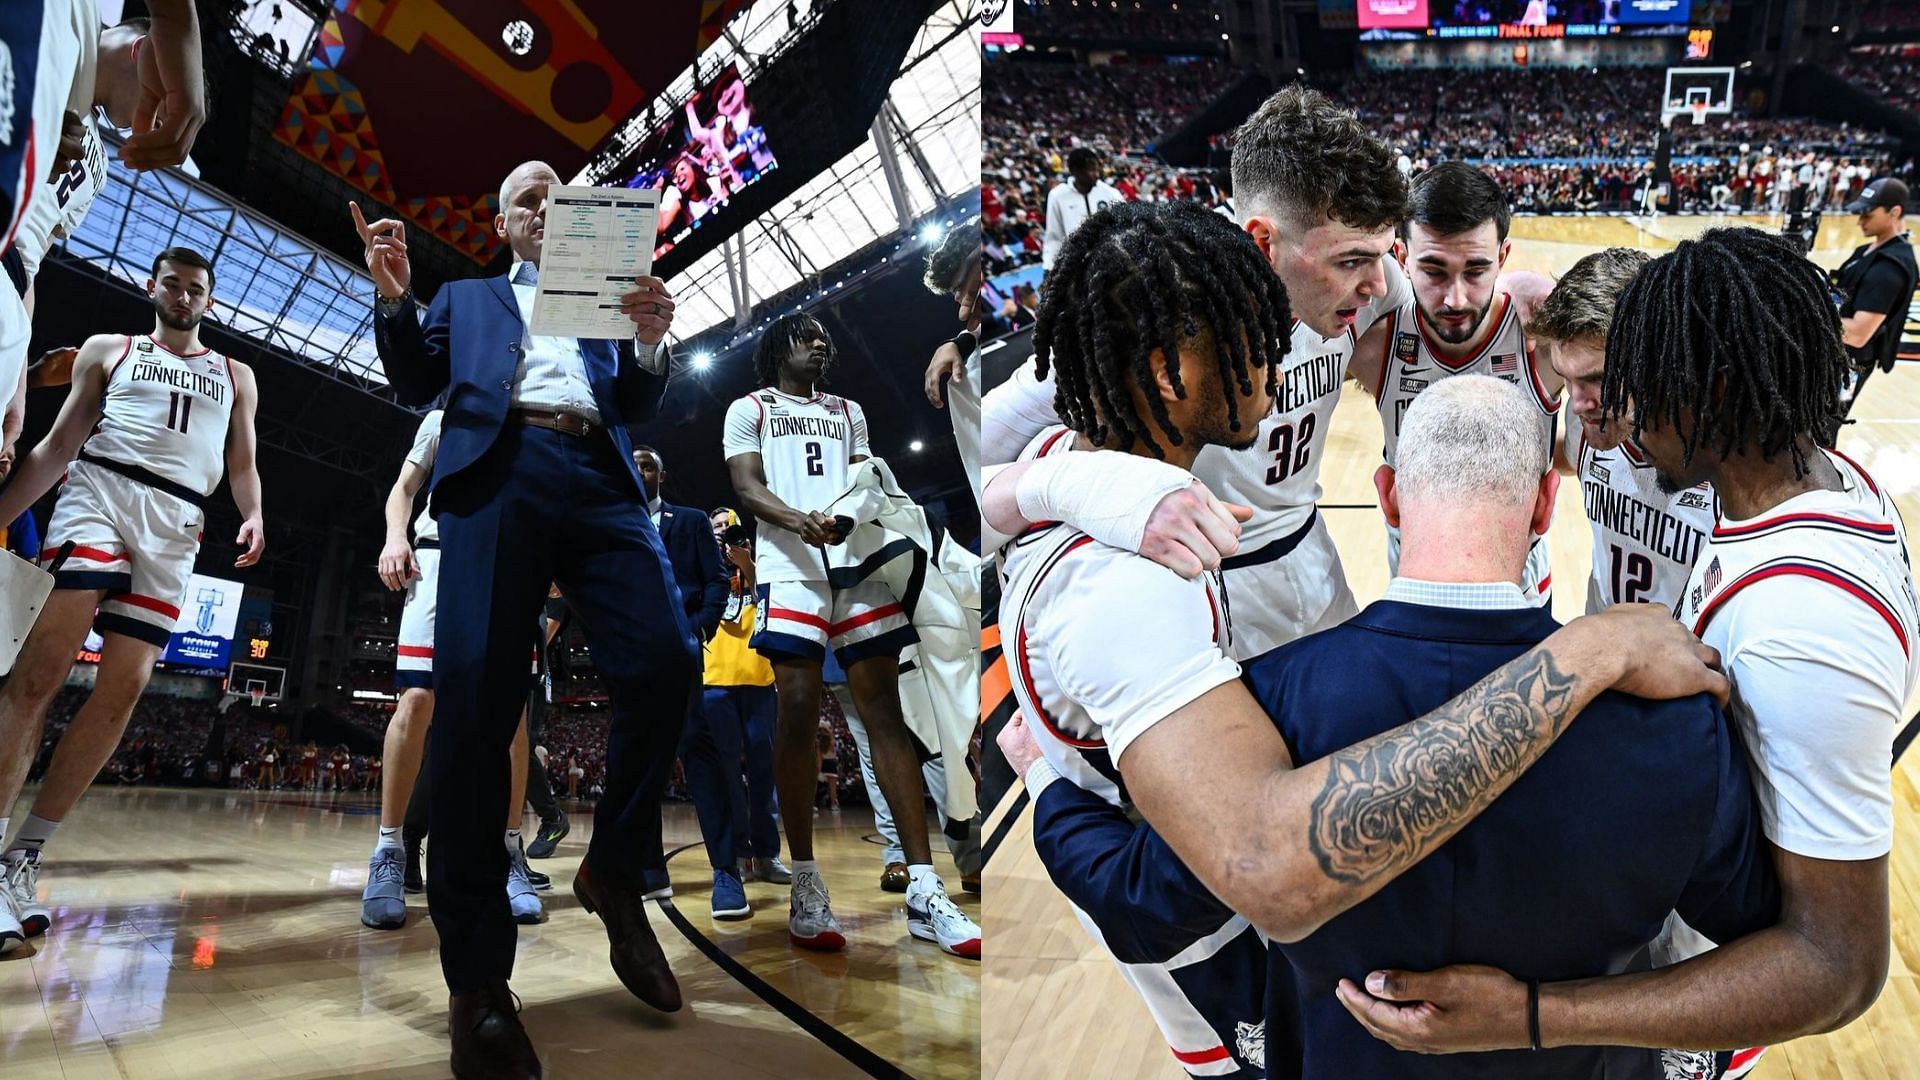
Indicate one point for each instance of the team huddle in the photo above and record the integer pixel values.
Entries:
(1445, 823)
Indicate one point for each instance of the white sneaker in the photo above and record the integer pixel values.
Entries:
(23, 877)
(810, 921)
(931, 916)
(12, 935)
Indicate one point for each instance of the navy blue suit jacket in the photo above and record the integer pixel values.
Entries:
(1640, 808)
(469, 345)
(697, 566)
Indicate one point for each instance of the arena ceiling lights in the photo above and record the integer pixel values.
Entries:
(929, 121)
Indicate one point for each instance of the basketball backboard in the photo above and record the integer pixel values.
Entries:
(268, 680)
(1697, 92)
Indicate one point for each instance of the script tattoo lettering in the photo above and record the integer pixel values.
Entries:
(1386, 803)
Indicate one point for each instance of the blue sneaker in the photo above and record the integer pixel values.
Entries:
(383, 905)
(729, 896)
(524, 902)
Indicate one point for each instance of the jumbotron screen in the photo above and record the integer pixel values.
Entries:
(701, 157)
(1551, 12)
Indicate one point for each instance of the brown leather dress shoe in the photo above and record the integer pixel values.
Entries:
(631, 947)
(895, 878)
(488, 1041)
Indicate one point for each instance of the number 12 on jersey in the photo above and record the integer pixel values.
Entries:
(1637, 582)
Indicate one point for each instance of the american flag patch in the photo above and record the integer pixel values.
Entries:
(1506, 364)
(1711, 580)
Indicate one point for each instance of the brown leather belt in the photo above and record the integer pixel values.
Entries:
(565, 423)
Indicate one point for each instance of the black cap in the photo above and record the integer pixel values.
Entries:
(1885, 191)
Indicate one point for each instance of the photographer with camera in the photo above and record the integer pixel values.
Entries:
(1876, 281)
(735, 720)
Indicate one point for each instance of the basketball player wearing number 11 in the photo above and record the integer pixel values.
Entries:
(153, 419)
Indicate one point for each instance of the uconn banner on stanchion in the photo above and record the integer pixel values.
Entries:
(203, 635)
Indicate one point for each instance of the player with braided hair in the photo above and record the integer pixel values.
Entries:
(1724, 362)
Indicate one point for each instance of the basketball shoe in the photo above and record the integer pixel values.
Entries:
(21, 871)
(931, 916)
(810, 921)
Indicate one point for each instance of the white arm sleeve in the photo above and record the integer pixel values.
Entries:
(741, 432)
(1109, 612)
(1013, 414)
(1819, 709)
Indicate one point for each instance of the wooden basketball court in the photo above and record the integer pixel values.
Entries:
(1057, 1007)
(214, 934)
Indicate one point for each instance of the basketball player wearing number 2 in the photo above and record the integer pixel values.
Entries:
(149, 425)
(790, 450)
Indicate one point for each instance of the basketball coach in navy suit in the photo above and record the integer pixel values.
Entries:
(1639, 809)
(534, 483)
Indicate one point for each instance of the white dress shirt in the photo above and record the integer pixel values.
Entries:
(653, 508)
(552, 373)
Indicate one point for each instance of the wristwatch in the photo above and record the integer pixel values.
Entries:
(391, 305)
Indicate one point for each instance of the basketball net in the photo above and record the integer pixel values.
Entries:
(1699, 111)
(257, 696)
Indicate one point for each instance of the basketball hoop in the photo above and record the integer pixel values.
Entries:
(1699, 111)
(256, 695)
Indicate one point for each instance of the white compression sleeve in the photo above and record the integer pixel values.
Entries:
(1104, 493)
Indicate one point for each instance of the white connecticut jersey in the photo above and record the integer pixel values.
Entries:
(63, 81)
(1078, 617)
(61, 203)
(1413, 363)
(807, 447)
(167, 414)
(1645, 541)
(1279, 476)
(1812, 608)
(426, 447)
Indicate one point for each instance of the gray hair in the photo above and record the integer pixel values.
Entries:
(1473, 438)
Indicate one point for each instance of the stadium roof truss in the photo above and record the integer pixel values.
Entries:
(276, 286)
(273, 285)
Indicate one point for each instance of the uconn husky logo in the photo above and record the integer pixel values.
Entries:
(208, 600)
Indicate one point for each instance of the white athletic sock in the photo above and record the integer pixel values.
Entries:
(34, 835)
(920, 872)
(3, 828)
(389, 837)
(513, 842)
(805, 866)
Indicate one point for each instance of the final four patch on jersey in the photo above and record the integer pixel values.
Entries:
(1404, 345)
(769, 399)
(143, 346)
(1695, 607)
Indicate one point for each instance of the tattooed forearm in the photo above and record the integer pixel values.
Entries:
(1391, 799)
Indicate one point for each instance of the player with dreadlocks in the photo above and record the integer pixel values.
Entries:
(791, 449)
(1724, 362)
(1320, 197)
(1165, 332)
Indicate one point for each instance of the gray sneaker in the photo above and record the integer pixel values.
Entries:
(810, 921)
(22, 872)
(770, 870)
(383, 904)
(521, 897)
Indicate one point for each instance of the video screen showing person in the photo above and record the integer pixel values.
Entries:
(701, 157)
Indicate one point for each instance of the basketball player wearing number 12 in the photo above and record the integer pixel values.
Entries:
(153, 420)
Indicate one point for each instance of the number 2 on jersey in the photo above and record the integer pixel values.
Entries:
(179, 407)
(1638, 580)
(1290, 450)
(815, 466)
